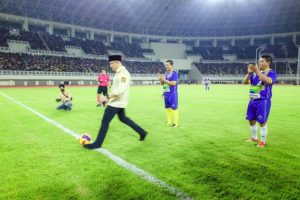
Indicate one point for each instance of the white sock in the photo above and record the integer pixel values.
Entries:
(263, 133)
(253, 130)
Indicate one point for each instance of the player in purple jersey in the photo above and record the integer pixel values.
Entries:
(261, 79)
(170, 82)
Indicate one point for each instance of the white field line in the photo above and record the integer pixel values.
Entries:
(119, 161)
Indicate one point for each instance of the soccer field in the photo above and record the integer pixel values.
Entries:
(207, 157)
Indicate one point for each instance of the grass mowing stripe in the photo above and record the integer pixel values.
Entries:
(40, 101)
(148, 177)
(237, 101)
(200, 100)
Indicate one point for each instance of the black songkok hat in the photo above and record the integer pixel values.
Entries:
(115, 58)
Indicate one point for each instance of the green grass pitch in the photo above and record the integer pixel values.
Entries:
(207, 157)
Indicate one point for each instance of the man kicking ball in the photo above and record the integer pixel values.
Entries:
(118, 100)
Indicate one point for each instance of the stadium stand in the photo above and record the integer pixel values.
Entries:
(22, 62)
(241, 68)
(129, 50)
(54, 43)
(245, 52)
(282, 48)
(221, 68)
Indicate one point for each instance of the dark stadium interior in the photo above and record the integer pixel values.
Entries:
(203, 19)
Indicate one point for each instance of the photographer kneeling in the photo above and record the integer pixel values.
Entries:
(64, 97)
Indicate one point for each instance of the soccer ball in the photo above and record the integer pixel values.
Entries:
(85, 139)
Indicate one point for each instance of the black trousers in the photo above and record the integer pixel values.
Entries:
(109, 114)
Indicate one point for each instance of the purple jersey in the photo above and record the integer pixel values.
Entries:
(258, 89)
(170, 91)
(171, 76)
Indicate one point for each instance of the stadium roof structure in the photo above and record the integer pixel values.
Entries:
(167, 17)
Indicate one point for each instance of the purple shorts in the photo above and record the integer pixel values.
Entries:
(171, 100)
(258, 110)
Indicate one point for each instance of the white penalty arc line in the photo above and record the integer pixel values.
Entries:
(119, 161)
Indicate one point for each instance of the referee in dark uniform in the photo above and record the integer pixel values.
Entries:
(118, 100)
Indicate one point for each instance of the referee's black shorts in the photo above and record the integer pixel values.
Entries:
(102, 89)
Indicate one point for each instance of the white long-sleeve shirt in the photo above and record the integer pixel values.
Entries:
(120, 88)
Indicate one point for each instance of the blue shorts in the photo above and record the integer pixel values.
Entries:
(171, 100)
(258, 110)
